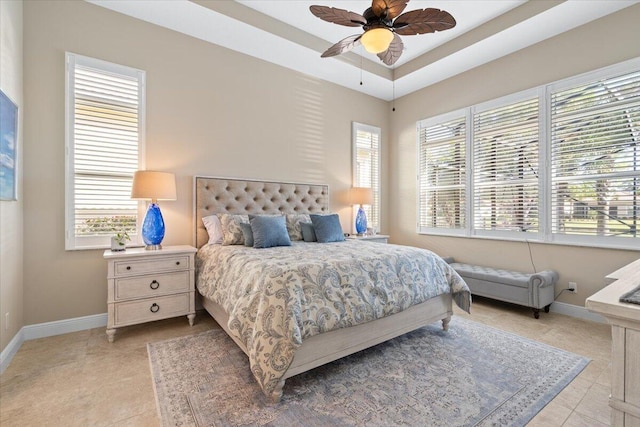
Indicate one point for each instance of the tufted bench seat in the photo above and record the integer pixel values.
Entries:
(535, 290)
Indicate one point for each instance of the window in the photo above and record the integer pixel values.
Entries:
(366, 167)
(505, 165)
(560, 163)
(595, 130)
(104, 137)
(442, 181)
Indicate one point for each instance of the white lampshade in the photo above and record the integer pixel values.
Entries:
(151, 185)
(376, 40)
(361, 196)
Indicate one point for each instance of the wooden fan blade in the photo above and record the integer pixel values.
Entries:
(391, 55)
(423, 21)
(344, 45)
(392, 8)
(338, 16)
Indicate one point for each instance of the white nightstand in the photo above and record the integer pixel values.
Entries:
(378, 238)
(149, 285)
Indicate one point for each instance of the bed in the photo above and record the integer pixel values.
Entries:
(293, 308)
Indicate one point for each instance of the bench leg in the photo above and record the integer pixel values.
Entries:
(536, 313)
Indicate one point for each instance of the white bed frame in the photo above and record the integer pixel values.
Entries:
(214, 195)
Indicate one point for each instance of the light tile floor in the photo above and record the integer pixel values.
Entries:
(79, 379)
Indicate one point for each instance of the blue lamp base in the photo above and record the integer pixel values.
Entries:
(361, 221)
(153, 228)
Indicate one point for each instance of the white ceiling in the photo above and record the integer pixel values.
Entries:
(284, 32)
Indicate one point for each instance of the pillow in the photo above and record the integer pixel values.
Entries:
(269, 231)
(327, 228)
(232, 233)
(247, 233)
(308, 234)
(214, 229)
(293, 225)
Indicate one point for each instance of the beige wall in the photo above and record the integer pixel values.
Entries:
(603, 42)
(210, 111)
(11, 212)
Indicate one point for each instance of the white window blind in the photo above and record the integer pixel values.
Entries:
(442, 174)
(595, 131)
(505, 165)
(105, 116)
(366, 167)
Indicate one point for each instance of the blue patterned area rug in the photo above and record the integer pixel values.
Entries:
(472, 375)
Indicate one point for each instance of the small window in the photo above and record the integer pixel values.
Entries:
(366, 167)
(442, 174)
(104, 139)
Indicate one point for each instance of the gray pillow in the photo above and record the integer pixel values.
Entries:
(308, 234)
(247, 233)
(327, 228)
(269, 231)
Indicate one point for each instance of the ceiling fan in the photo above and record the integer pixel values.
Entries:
(383, 25)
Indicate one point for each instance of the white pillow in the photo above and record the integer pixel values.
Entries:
(214, 228)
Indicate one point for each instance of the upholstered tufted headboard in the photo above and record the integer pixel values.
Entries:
(242, 196)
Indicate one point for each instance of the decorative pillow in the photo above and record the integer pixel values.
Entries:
(293, 225)
(214, 229)
(308, 234)
(247, 233)
(269, 231)
(231, 228)
(327, 228)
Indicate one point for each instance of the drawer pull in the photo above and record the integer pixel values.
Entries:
(128, 267)
(177, 262)
(156, 283)
(154, 308)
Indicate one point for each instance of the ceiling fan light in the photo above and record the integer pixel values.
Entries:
(376, 40)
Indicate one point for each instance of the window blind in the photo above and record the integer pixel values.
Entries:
(105, 108)
(366, 147)
(595, 130)
(505, 164)
(442, 175)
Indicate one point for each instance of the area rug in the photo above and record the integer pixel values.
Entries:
(471, 375)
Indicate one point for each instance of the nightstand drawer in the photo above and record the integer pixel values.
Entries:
(128, 313)
(129, 267)
(151, 285)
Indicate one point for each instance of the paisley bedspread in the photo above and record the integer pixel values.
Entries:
(277, 297)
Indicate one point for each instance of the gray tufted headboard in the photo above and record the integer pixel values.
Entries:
(242, 196)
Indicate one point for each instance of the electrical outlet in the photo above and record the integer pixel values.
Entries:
(574, 287)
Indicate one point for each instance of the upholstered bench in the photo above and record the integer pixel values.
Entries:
(535, 290)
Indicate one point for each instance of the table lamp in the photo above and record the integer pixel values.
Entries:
(361, 196)
(154, 186)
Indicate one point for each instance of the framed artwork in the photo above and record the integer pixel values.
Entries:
(8, 145)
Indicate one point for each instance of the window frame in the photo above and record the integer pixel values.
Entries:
(375, 207)
(72, 241)
(545, 232)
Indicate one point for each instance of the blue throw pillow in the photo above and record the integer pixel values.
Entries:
(308, 233)
(327, 228)
(269, 231)
(247, 233)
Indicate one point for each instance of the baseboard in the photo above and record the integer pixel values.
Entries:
(10, 350)
(576, 311)
(59, 327)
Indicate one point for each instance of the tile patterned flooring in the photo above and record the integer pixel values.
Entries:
(79, 379)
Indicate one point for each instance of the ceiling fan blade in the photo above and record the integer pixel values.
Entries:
(391, 55)
(423, 21)
(344, 45)
(338, 16)
(392, 8)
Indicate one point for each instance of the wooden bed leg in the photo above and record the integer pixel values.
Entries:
(445, 323)
(276, 394)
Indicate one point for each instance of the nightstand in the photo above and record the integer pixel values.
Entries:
(378, 238)
(144, 286)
